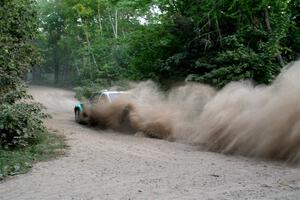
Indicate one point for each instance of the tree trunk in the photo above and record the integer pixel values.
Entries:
(77, 69)
(56, 65)
(116, 20)
(36, 74)
(100, 21)
(114, 23)
(88, 42)
(219, 30)
(269, 28)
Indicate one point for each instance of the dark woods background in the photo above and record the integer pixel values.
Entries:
(94, 44)
(99, 42)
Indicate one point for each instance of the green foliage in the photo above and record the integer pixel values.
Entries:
(20, 124)
(97, 42)
(149, 48)
(86, 91)
(18, 161)
(216, 42)
(17, 53)
(20, 121)
(226, 41)
(79, 40)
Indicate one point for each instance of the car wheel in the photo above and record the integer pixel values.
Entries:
(77, 116)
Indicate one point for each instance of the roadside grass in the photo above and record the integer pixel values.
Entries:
(19, 161)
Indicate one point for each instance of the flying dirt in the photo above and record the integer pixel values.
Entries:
(241, 118)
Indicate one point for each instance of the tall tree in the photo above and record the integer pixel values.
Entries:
(221, 41)
(20, 121)
(208, 41)
(18, 29)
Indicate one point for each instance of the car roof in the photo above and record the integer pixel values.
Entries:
(109, 92)
(112, 92)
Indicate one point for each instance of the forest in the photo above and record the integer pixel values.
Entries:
(98, 43)
(93, 44)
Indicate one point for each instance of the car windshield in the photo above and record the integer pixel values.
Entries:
(114, 96)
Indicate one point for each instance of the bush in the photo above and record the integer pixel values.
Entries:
(20, 124)
(85, 92)
(20, 121)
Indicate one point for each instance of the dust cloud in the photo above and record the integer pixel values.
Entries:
(243, 119)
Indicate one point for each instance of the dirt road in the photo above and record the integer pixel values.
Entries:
(109, 165)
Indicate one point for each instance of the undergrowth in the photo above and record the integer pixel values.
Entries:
(20, 160)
